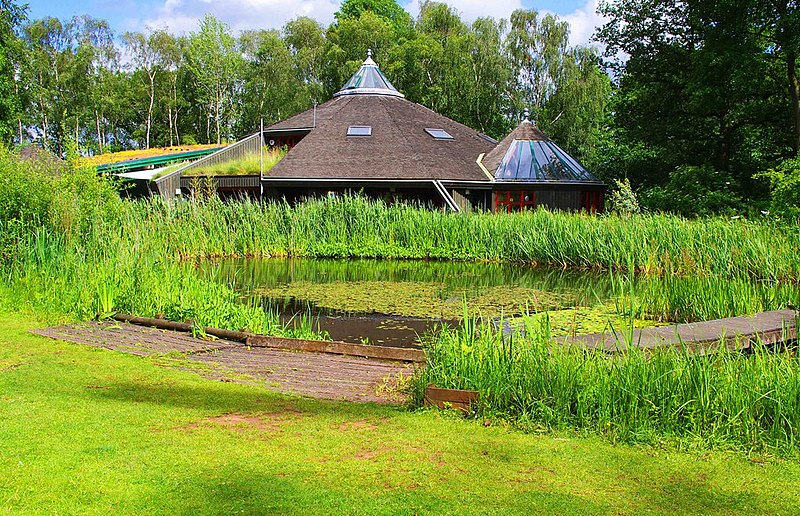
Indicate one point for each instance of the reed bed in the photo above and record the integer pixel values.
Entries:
(750, 402)
(355, 227)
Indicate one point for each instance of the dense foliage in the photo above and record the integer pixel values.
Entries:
(696, 102)
(708, 96)
(77, 80)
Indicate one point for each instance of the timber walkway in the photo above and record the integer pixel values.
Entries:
(327, 375)
(736, 333)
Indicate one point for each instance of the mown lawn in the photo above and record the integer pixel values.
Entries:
(84, 430)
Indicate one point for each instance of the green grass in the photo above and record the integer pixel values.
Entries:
(169, 169)
(71, 249)
(248, 165)
(85, 430)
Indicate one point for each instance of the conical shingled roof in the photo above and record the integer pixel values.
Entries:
(527, 154)
(399, 144)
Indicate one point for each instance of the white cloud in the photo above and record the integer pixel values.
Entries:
(583, 22)
(181, 16)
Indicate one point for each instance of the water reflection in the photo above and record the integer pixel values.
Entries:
(391, 302)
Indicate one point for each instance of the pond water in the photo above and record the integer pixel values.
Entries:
(391, 302)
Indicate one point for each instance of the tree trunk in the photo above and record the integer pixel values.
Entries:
(794, 90)
(217, 107)
(99, 133)
(150, 109)
(785, 37)
(45, 128)
(169, 116)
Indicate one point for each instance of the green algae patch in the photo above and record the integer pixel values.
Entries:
(422, 299)
(586, 320)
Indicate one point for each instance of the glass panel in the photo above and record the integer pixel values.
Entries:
(502, 196)
(508, 166)
(525, 160)
(551, 166)
(541, 160)
(564, 170)
(439, 134)
(359, 130)
(515, 197)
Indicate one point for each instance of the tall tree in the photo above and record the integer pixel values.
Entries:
(537, 47)
(11, 56)
(150, 54)
(699, 87)
(215, 63)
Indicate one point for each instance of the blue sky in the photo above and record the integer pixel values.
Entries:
(181, 15)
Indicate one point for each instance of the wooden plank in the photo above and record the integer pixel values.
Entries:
(265, 341)
(736, 333)
(164, 324)
(338, 348)
(450, 398)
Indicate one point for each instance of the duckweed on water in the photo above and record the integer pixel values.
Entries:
(421, 299)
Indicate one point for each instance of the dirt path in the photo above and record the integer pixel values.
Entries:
(316, 375)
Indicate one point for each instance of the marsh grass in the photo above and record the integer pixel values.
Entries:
(355, 227)
(747, 401)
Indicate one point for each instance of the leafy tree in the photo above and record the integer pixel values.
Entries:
(701, 86)
(305, 39)
(215, 64)
(11, 57)
(389, 10)
(784, 182)
(537, 48)
(149, 54)
(271, 89)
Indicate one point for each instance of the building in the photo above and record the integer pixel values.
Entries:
(529, 170)
(370, 139)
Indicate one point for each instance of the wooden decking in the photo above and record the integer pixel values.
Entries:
(317, 375)
(737, 333)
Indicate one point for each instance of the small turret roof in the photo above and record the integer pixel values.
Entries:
(527, 154)
(368, 80)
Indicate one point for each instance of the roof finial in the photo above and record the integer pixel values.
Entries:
(369, 53)
(526, 114)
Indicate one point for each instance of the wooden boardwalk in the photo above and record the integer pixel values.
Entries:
(317, 375)
(737, 333)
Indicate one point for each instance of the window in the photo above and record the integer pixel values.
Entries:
(359, 130)
(515, 200)
(439, 134)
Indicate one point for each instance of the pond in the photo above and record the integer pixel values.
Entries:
(391, 302)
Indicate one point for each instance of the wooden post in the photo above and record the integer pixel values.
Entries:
(261, 148)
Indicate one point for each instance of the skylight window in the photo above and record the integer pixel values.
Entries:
(359, 130)
(439, 134)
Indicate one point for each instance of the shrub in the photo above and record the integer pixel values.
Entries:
(695, 191)
(623, 200)
(784, 185)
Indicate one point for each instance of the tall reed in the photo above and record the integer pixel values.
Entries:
(350, 227)
(751, 402)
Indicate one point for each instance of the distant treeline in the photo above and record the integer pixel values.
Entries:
(696, 102)
(76, 80)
